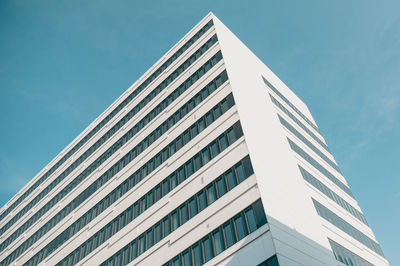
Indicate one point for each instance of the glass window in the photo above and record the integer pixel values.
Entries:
(202, 200)
(132, 248)
(206, 155)
(207, 248)
(202, 124)
(228, 234)
(141, 244)
(175, 220)
(126, 255)
(175, 261)
(118, 259)
(240, 228)
(221, 186)
(150, 198)
(214, 149)
(186, 136)
(186, 258)
(193, 206)
(197, 255)
(158, 193)
(247, 166)
(189, 167)
(231, 180)
(209, 118)
(240, 172)
(211, 196)
(259, 213)
(231, 135)
(136, 209)
(183, 213)
(174, 180)
(223, 141)
(182, 174)
(165, 226)
(194, 131)
(251, 220)
(218, 242)
(157, 230)
(197, 162)
(142, 204)
(149, 238)
(165, 186)
(179, 143)
(217, 111)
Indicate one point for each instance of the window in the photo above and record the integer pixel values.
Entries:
(141, 244)
(193, 206)
(218, 242)
(207, 248)
(228, 233)
(183, 213)
(259, 213)
(149, 238)
(231, 180)
(221, 187)
(166, 226)
(175, 220)
(157, 232)
(197, 255)
(211, 193)
(186, 258)
(202, 200)
(206, 155)
(251, 221)
(240, 227)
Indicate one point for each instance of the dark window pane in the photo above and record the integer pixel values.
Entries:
(157, 229)
(183, 213)
(240, 229)
(240, 172)
(221, 186)
(141, 244)
(166, 229)
(206, 155)
(207, 248)
(247, 166)
(174, 180)
(230, 178)
(223, 141)
(218, 242)
(251, 220)
(175, 220)
(228, 235)
(193, 206)
(149, 238)
(211, 193)
(186, 258)
(214, 149)
(182, 174)
(202, 200)
(202, 124)
(175, 261)
(197, 162)
(189, 168)
(259, 213)
(197, 255)
(166, 186)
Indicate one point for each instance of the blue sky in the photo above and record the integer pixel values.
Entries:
(63, 62)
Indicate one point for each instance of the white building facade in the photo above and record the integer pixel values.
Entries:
(207, 159)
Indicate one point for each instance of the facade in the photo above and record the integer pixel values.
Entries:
(207, 159)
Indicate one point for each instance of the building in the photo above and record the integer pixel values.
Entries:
(207, 158)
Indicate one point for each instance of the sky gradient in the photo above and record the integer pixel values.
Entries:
(62, 63)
